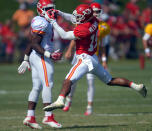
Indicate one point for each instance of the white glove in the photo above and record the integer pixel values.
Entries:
(22, 68)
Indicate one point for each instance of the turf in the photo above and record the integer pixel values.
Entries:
(115, 108)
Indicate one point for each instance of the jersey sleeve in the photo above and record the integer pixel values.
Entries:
(39, 26)
(81, 32)
(148, 29)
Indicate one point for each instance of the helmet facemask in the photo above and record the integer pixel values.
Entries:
(77, 18)
(97, 13)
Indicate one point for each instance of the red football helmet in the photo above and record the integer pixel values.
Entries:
(82, 14)
(96, 7)
(44, 5)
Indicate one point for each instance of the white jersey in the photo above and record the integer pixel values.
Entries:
(41, 26)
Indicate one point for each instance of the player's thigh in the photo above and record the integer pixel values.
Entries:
(35, 75)
(44, 68)
(46, 71)
(77, 71)
(102, 74)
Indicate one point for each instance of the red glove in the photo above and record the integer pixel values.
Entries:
(51, 15)
(56, 56)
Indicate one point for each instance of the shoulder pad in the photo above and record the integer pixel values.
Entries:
(39, 25)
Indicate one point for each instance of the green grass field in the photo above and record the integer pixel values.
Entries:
(115, 108)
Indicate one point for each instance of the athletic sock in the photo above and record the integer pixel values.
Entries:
(31, 113)
(48, 113)
(135, 86)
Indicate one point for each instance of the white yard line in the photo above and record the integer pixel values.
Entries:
(5, 92)
(80, 115)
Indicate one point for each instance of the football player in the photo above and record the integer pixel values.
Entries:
(85, 36)
(103, 30)
(40, 61)
(147, 39)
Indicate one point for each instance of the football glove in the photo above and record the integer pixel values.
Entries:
(56, 56)
(22, 68)
(51, 15)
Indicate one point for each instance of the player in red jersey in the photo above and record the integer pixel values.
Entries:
(85, 35)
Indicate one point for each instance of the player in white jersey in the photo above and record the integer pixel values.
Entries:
(41, 65)
(85, 36)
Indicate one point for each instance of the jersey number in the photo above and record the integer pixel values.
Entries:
(93, 39)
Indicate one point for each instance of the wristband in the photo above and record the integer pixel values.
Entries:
(147, 50)
(47, 54)
(104, 59)
(26, 57)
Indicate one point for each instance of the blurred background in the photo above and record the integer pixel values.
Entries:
(115, 108)
(126, 18)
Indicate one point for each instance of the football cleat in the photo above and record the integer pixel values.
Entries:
(67, 104)
(31, 122)
(49, 120)
(143, 90)
(66, 108)
(53, 106)
(88, 111)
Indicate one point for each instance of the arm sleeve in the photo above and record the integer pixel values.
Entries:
(63, 34)
(66, 16)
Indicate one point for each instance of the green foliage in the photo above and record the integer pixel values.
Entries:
(8, 7)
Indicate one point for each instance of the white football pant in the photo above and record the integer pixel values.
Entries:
(80, 68)
(42, 77)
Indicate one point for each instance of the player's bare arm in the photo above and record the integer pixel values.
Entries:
(103, 58)
(35, 40)
(69, 51)
(145, 39)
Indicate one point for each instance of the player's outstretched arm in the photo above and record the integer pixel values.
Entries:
(63, 34)
(66, 16)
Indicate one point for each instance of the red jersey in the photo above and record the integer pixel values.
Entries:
(87, 32)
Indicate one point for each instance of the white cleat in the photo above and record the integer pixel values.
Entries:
(31, 122)
(53, 106)
(49, 120)
(143, 90)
